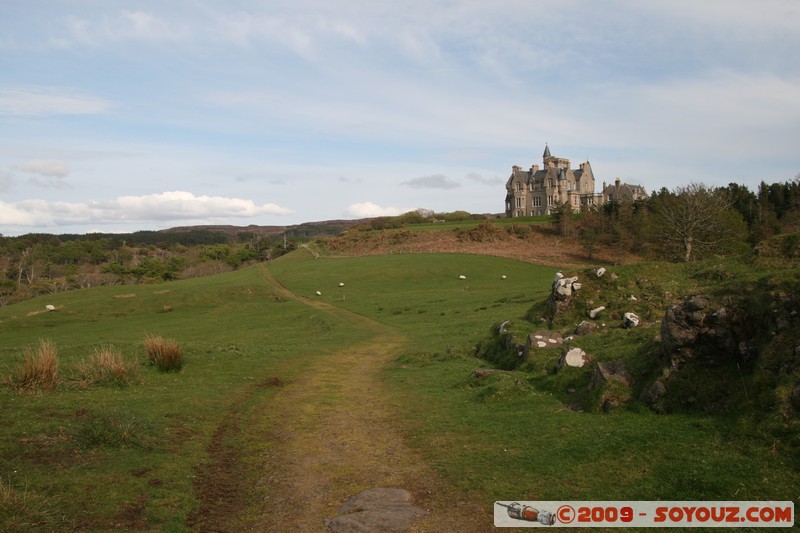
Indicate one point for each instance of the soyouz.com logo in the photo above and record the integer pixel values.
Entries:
(643, 514)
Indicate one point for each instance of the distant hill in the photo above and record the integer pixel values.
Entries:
(306, 229)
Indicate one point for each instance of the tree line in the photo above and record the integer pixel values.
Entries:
(687, 223)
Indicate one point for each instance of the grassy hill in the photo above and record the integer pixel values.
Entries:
(152, 455)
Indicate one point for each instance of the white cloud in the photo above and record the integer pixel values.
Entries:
(53, 168)
(167, 206)
(181, 204)
(43, 101)
(369, 209)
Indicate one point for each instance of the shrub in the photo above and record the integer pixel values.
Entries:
(164, 354)
(39, 370)
(108, 366)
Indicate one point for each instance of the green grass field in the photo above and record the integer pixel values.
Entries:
(102, 458)
(518, 440)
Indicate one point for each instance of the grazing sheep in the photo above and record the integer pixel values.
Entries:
(462, 277)
(503, 276)
(318, 293)
(341, 284)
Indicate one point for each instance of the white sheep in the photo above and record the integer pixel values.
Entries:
(462, 277)
(318, 293)
(341, 284)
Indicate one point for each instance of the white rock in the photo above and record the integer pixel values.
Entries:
(630, 320)
(50, 307)
(633, 298)
(552, 341)
(503, 276)
(574, 357)
(596, 311)
(576, 286)
(541, 344)
(538, 336)
(559, 275)
(599, 272)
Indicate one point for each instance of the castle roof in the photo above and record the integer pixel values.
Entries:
(546, 151)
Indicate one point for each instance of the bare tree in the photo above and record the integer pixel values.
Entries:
(697, 220)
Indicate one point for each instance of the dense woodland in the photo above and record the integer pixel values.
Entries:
(685, 224)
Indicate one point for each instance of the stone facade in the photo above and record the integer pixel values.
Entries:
(622, 192)
(539, 191)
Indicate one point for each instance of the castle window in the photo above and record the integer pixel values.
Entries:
(537, 201)
(519, 202)
(519, 186)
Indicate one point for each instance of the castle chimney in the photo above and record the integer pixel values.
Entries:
(616, 182)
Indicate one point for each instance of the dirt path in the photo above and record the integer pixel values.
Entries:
(334, 437)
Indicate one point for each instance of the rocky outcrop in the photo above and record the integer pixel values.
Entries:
(699, 339)
(695, 328)
(561, 294)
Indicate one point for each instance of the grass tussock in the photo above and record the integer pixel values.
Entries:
(107, 366)
(114, 430)
(39, 369)
(23, 510)
(164, 354)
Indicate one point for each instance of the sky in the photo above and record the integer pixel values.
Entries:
(118, 116)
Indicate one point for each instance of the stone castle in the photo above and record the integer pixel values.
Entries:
(538, 191)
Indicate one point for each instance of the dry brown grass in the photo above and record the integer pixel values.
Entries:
(538, 245)
(23, 510)
(39, 369)
(164, 354)
(108, 366)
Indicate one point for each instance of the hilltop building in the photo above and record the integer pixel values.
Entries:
(622, 192)
(538, 191)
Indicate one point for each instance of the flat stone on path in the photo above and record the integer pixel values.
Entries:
(376, 510)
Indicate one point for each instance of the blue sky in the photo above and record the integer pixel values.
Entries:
(119, 116)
